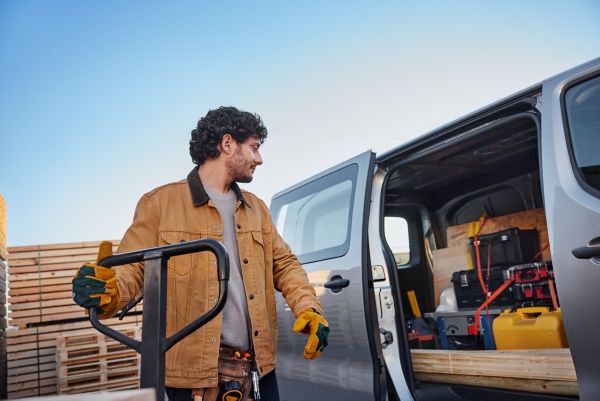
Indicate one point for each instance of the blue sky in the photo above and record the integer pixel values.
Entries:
(97, 98)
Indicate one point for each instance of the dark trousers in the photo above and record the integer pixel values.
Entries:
(268, 390)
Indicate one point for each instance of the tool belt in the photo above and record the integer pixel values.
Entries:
(235, 382)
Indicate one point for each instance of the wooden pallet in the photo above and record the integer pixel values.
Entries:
(31, 354)
(92, 362)
(3, 325)
(549, 371)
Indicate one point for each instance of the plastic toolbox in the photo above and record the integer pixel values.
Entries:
(508, 247)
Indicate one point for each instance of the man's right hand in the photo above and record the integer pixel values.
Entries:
(95, 285)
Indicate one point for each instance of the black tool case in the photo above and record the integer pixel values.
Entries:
(469, 293)
(508, 247)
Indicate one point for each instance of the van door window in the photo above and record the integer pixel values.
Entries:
(582, 105)
(315, 219)
(396, 235)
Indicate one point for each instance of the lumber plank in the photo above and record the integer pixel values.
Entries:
(55, 310)
(37, 290)
(38, 296)
(32, 392)
(42, 304)
(31, 377)
(457, 235)
(73, 266)
(32, 385)
(531, 364)
(48, 318)
(16, 351)
(65, 327)
(14, 277)
(46, 247)
(28, 353)
(43, 285)
(56, 252)
(52, 261)
(535, 386)
(30, 361)
(35, 368)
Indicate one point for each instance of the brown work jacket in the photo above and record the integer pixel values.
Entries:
(182, 211)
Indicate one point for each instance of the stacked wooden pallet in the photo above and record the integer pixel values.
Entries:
(3, 300)
(3, 324)
(32, 367)
(41, 308)
(93, 362)
(549, 371)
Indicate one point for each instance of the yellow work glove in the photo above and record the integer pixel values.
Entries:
(312, 323)
(95, 285)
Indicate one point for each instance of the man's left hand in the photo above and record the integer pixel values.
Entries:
(312, 323)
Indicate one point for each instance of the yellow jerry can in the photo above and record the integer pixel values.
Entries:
(526, 328)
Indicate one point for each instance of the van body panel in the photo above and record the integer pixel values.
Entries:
(573, 216)
(347, 364)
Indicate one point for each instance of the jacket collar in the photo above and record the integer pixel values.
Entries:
(199, 195)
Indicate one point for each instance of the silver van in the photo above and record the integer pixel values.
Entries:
(368, 230)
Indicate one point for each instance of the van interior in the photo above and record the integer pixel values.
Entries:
(439, 204)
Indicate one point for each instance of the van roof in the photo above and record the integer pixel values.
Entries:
(478, 117)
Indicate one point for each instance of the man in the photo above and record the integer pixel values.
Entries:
(225, 146)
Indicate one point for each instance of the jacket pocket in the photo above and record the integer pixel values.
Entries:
(258, 237)
(181, 265)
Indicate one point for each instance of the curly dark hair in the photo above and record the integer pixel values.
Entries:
(210, 129)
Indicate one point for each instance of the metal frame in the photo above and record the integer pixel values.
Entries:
(154, 342)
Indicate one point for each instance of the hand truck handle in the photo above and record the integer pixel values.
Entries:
(164, 253)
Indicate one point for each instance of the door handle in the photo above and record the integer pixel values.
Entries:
(586, 252)
(336, 283)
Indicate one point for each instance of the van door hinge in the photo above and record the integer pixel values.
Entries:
(388, 338)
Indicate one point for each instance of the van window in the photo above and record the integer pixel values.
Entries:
(396, 235)
(582, 105)
(315, 219)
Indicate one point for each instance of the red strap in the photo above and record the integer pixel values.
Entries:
(539, 253)
(476, 242)
(488, 301)
(553, 293)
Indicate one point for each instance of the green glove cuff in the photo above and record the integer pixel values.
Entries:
(312, 323)
(96, 286)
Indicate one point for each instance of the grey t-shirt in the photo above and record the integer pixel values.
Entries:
(234, 329)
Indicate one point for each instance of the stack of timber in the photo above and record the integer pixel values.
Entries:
(548, 371)
(93, 362)
(3, 300)
(3, 325)
(32, 367)
(41, 308)
(40, 290)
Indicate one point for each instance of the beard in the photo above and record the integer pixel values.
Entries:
(240, 169)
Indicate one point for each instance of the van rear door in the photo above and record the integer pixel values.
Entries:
(323, 220)
(571, 179)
